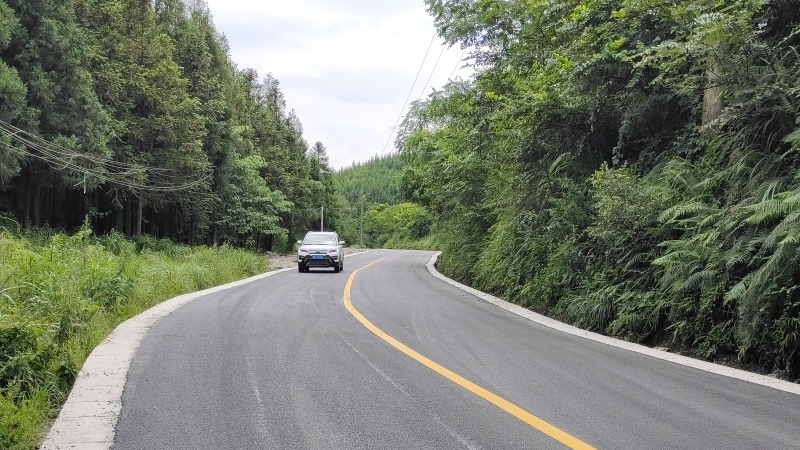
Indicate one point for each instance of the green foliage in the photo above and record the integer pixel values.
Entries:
(378, 180)
(622, 204)
(61, 295)
(362, 186)
(52, 57)
(394, 225)
(150, 84)
(627, 166)
(12, 93)
(20, 419)
(251, 206)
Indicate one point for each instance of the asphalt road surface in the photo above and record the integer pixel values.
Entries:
(282, 363)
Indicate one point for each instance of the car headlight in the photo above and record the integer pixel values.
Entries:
(302, 252)
(332, 251)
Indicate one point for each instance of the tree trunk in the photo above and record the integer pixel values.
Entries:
(87, 206)
(138, 231)
(37, 204)
(49, 205)
(97, 222)
(169, 224)
(712, 96)
(192, 231)
(26, 202)
(79, 206)
(127, 214)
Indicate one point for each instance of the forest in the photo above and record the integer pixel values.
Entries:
(626, 166)
(130, 115)
(373, 211)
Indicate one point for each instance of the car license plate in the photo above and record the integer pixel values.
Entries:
(317, 256)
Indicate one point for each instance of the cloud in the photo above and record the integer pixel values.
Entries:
(365, 87)
(345, 66)
(369, 8)
(348, 130)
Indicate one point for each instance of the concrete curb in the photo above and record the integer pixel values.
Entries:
(763, 380)
(89, 417)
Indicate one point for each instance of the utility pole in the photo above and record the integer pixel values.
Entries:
(361, 220)
(321, 218)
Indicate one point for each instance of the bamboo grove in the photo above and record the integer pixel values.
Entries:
(630, 166)
(130, 114)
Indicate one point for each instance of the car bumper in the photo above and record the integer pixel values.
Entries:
(326, 261)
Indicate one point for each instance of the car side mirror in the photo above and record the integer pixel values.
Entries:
(341, 242)
(299, 242)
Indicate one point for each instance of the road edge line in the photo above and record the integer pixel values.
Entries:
(763, 380)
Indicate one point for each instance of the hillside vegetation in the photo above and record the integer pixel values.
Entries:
(374, 212)
(627, 166)
(377, 180)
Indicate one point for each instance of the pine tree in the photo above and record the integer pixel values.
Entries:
(49, 51)
(12, 99)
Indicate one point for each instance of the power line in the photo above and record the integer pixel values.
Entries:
(436, 64)
(409, 92)
(104, 169)
(460, 60)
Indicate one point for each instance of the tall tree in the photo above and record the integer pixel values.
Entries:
(149, 84)
(12, 98)
(164, 127)
(50, 52)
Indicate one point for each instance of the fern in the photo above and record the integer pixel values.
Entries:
(739, 289)
(682, 210)
(676, 258)
(697, 279)
(710, 220)
(765, 211)
(636, 260)
(742, 250)
(793, 138)
(788, 227)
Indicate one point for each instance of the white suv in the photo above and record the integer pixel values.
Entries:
(320, 249)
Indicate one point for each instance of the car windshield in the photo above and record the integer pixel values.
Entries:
(320, 239)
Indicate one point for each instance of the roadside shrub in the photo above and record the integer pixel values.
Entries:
(61, 295)
(396, 223)
(20, 419)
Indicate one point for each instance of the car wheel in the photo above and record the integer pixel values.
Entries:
(300, 268)
(336, 268)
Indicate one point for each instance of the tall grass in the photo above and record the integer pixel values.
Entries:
(61, 295)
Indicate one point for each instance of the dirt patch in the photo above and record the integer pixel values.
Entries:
(277, 261)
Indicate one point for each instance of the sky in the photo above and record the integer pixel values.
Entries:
(345, 66)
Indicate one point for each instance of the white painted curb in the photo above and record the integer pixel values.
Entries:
(660, 354)
(89, 417)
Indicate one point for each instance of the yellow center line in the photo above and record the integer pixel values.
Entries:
(550, 430)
